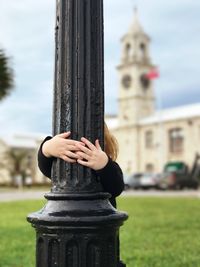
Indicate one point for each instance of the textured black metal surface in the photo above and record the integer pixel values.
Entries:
(78, 227)
(79, 85)
(80, 248)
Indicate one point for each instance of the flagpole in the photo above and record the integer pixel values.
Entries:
(160, 131)
(152, 75)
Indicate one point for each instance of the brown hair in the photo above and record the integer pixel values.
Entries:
(111, 145)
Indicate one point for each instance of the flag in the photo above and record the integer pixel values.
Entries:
(152, 74)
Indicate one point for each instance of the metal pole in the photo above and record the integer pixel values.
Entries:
(78, 227)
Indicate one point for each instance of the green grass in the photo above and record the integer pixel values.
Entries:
(160, 232)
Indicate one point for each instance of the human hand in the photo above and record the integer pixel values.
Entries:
(61, 147)
(92, 156)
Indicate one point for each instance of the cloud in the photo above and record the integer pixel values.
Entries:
(27, 34)
(173, 28)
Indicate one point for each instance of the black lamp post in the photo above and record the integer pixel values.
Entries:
(78, 227)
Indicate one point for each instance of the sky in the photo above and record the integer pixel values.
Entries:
(27, 36)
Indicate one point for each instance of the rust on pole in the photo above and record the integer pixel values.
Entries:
(78, 227)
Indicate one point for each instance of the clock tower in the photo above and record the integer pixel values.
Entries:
(136, 97)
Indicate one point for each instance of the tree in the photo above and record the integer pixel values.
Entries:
(6, 76)
(17, 163)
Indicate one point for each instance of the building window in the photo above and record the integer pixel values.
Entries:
(176, 140)
(143, 49)
(149, 139)
(128, 50)
(149, 168)
(142, 46)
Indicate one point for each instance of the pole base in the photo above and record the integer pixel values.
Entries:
(77, 233)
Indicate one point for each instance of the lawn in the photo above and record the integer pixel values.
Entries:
(160, 232)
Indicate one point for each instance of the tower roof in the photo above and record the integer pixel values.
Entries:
(136, 27)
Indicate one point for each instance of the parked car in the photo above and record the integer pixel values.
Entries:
(148, 180)
(174, 180)
(132, 181)
(177, 175)
(141, 181)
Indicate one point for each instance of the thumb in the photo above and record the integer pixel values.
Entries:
(64, 135)
(97, 144)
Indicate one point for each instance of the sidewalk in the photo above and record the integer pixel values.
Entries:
(21, 195)
(15, 195)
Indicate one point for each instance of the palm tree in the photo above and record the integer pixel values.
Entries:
(6, 76)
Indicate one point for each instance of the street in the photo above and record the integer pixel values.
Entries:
(30, 194)
(158, 193)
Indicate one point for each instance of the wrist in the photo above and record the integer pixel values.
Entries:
(100, 171)
(45, 149)
(104, 163)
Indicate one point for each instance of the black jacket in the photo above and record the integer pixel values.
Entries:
(111, 176)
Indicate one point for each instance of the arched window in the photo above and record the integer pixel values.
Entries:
(142, 48)
(128, 50)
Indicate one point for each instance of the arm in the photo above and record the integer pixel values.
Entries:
(59, 146)
(111, 178)
(91, 156)
(109, 171)
(45, 163)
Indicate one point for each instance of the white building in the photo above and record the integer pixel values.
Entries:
(148, 138)
(18, 159)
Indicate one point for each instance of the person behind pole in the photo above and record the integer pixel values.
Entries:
(86, 154)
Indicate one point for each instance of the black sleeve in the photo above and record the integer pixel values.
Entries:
(45, 163)
(111, 178)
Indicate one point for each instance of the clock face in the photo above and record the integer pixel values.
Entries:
(145, 82)
(126, 81)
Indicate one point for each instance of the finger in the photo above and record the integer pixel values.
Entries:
(83, 155)
(97, 144)
(84, 163)
(73, 142)
(64, 135)
(67, 159)
(72, 155)
(84, 149)
(72, 148)
(88, 143)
